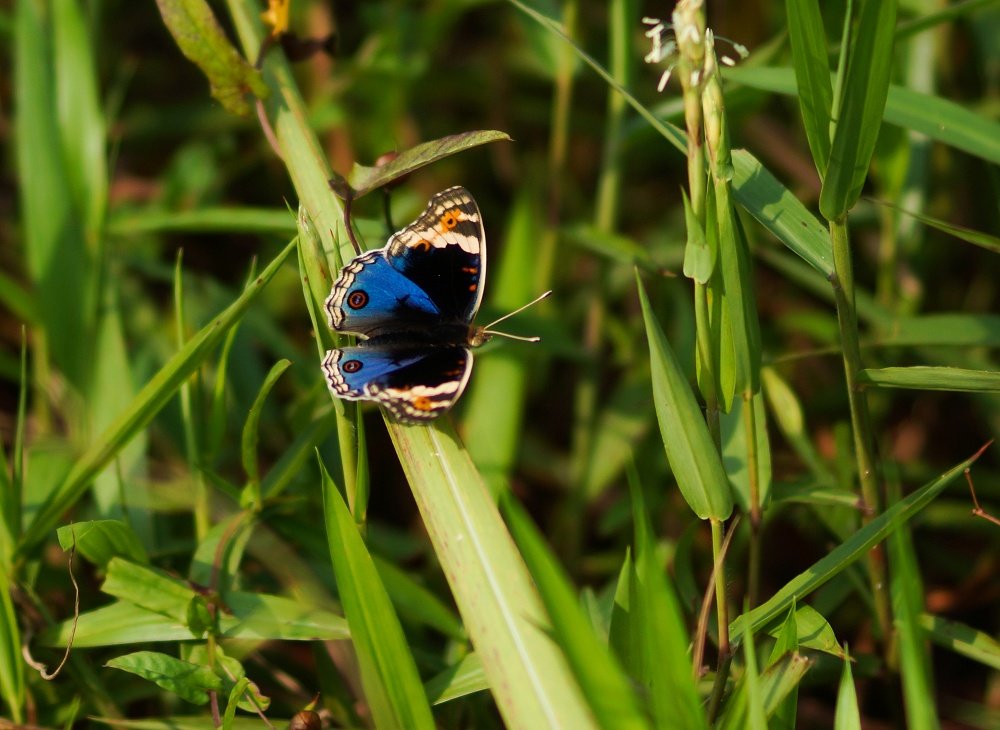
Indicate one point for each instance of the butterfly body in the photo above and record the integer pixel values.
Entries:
(413, 303)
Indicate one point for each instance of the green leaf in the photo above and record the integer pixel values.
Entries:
(977, 238)
(251, 428)
(812, 631)
(388, 671)
(735, 454)
(202, 41)
(777, 209)
(148, 588)
(259, 616)
(602, 680)
(858, 113)
(963, 639)
(688, 444)
(940, 119)
(117, 624)
(461, 679)
(150, 400)
(924, 377)
(101, 540)
(847, 552)
(416, 603)
(188, 681)
(807, 37)
(12, 664)
(699, 257)
(941, 329)
(906, 589)
(500, 607)
(364, 179)
(786, 643)
(847, 715)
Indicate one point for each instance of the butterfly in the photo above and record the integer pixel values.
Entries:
(412, 302)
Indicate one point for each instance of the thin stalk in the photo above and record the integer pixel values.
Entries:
(864, 441)
(753, 570)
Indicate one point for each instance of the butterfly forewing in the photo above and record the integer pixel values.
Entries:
(429, 273)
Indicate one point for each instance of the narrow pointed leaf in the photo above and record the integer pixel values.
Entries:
(807, 37)
(846, 553)
(388, 672)
(202, 40)
(364, 179)
(690, 450)
(602, 680)
(865, 88)
(847, 716)
(924, 377)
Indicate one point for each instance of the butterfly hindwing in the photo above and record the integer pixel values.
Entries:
(429, 273)
(415, 384)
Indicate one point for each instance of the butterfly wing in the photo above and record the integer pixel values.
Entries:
(414, 384)
(429, 273)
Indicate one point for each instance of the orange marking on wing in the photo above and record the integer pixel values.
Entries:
(472, 287)
(422, 403)
(449, 220)
(423, 245)
(470, 269)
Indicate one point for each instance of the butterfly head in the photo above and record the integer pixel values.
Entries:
(481, 335)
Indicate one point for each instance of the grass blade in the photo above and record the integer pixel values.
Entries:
(858, 116)
(389, 676)
(854, 548)
(500, 608)
(927, 377)
(847, 717)
(807, 37)
(602, 680)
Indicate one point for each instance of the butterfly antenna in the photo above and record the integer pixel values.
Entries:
(488, 331)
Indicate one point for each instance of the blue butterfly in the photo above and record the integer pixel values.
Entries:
(413, 303)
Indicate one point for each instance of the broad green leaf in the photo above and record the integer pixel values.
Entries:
(364, 179)
(202, 41)
(117, 624)
(148, 588)
(846, 553)
(500, 607)
(847, 716)
(150, 400)
(779, 211)
(776, 685)
(461, 679)
(940, 119)
(190, 682)
(101, 540)
(807, 37)
(185, 722)
(388, 671)
(925, 377)
(266, 617)
(658, 638)
(963, 639)
(602, 680)
(693, 459)
(786, 644)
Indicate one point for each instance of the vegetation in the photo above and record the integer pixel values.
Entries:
(732, 486)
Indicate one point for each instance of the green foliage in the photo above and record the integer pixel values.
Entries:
(686, 468)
